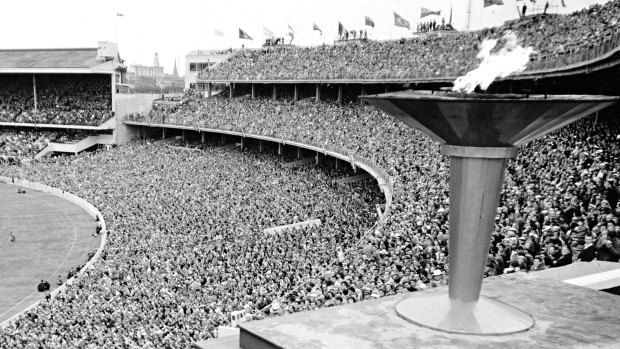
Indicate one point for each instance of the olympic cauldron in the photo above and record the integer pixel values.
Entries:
(479, 132)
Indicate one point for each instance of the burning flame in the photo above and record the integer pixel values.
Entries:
(501, 62)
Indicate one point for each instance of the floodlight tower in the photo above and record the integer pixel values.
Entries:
(479, 132)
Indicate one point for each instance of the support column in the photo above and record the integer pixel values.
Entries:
(222, 139)
(317, 158)
(275, 92)
(337, 165)
(318, 92)
(280, 148)
(476, 177)
(163, 133)
(299, 153)
(296, 93)
(231, 90)
(340, 94)
(113, 91)
(242, 143)
(184, 136)
(34, 88)
(253, 91)
(363, 94)
(203, 137)
(387, 88)
(260, 146)
(209, 90)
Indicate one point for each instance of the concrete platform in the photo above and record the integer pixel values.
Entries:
(218, 343)
(566, 316)
(597, 275)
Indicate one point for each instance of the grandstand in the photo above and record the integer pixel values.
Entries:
(202, 179)
(62, 97)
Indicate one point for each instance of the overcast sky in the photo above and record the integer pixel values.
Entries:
(173, 28)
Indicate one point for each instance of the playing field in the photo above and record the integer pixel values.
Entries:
(52, 236)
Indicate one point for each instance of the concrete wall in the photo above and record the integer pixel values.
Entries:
(199, 56)
(127, 104)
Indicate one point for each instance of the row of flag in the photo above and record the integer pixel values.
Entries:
(488, 3)
(399, 21)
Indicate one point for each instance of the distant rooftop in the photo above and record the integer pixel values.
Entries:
(53, 60)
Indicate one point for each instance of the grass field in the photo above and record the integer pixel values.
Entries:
(52, 236)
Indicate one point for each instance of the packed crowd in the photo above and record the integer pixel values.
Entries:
(353, 35)
(19, 145)
(61, 99)
(553, 33)
(431, 26)
(575, 194)
(366, 58)
(432, 55)
(185, 250)
(172, 275)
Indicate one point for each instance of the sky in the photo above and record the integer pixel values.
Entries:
(174, 28)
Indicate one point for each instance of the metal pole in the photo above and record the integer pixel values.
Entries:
(34, 87)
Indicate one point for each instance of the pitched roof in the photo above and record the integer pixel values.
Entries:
(49, 60)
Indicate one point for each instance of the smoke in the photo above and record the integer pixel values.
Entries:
(500, 58)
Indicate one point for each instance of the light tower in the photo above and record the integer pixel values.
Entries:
(479, 132)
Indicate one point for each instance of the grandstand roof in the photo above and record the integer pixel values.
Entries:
(64, 60)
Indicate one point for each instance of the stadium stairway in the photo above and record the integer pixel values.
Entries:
(110, 124)
(75, 148)
(299, 162)
(353, 179)
(168, 140)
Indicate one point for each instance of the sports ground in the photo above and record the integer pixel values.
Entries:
(52, 236)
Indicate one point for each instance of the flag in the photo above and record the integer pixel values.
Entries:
(341, 29)
(244, 35)
(427, 12)
(400, 21)
(217, 32)
(291, 32)
(268, 32)
(488, 3)
(369, 22)
(316, 27)
(119, 14)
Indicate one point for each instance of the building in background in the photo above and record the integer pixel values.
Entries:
(199, 60)
(143, 78)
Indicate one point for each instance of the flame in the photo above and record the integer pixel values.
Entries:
(496, 62)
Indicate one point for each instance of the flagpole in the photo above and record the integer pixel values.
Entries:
(450, 13)
(116, 27)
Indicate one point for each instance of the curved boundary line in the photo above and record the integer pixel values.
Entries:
(55, 271)
(86, 206)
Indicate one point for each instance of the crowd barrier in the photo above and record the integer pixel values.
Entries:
(88, 207)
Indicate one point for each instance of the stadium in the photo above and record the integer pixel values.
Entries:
(295, 197)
